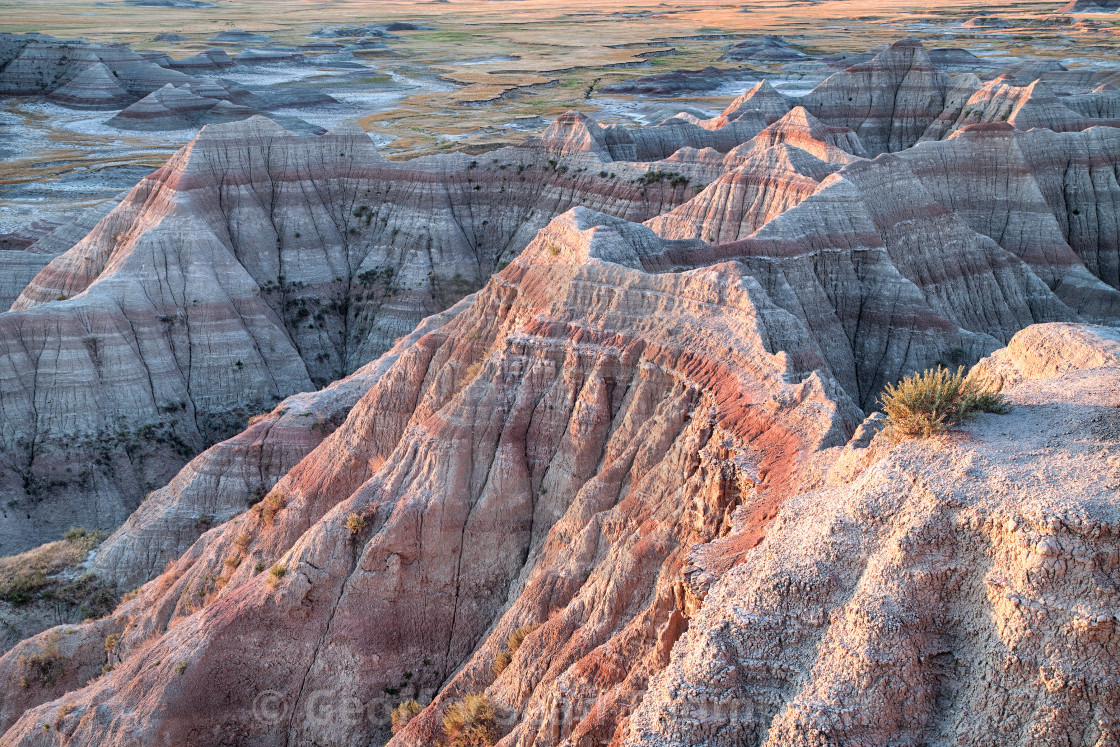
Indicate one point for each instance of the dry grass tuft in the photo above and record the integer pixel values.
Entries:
(275, 573)
(404, 713)
(501, 661)
(40, 575)
(470, 722)
(927, 403)
(270, 506)
(42, 668)
(513, 642)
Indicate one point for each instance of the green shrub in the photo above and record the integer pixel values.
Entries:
(470, 722)
(404, 713)
(926, 403)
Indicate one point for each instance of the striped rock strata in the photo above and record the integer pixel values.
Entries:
(963, 590)
(598, 439)
(253, 265)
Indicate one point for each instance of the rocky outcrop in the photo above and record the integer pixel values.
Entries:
(1023, 107)
(585, 449)
(235, 474)
(575, 133)
(193, 106)
(582, 447)
(761, 98)
(889, 102)
(290, 261)
(769, 181)
(77, 73)
(802, 130)
(677, 82)
(210, 60)
(942, 577)
(1013, 187)
(765, 48)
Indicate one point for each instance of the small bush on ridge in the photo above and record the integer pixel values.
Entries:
(926, 403)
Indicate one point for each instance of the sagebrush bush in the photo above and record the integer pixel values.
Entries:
(355, 523)
(933, 401)
(405, 712)
(470, 722)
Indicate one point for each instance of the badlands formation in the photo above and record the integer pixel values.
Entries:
(609, 394)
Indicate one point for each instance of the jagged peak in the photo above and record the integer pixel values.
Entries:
(802, 129)
(581, 235)
(909, 53)
(762, 98)
(574, 132)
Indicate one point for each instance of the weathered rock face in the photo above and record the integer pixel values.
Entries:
(917, 285)
(769, 181)
(574, 133)
(290, 261)
(1023, 107)
(889, 102)
(602, 384)
(154, 92)
(220, 483)
(946, 575)
(196, 105)
(762, 99)
(1016, 188)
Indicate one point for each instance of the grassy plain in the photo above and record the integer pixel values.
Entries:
(530, 58)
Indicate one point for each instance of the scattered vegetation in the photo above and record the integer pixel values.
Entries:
(65, 710)
(653, 177)
(933, 401)
(405, 712)
(501, 661)
(48, 575)
(271, 505)
(470, 722)
(276, 572)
